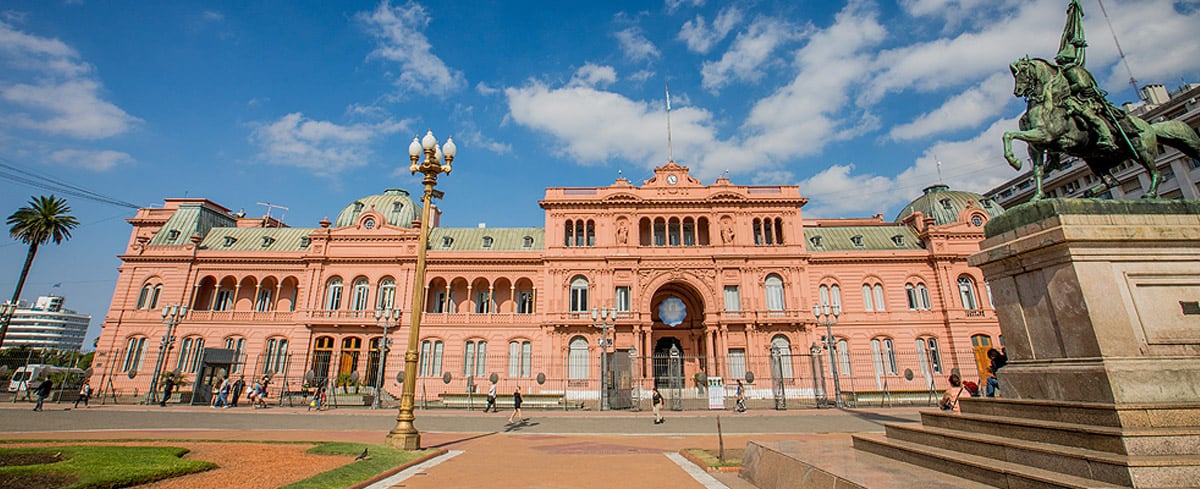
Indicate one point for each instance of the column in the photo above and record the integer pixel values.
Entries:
(710, 334)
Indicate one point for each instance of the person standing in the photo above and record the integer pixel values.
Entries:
(741, 397)
(998, 360)
(491, 399)
(238, 387)
(85, 393)
(222, 399)
(656, 401)
(168, 387)
(516, 406)
(43, 391)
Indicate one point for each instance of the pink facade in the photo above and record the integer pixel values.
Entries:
(743, 263)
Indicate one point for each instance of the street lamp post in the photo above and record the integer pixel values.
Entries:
(602, 314)
(171, 316)
(828, 316)
(384, 317)
(405, 436)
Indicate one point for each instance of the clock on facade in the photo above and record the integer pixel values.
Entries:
(672, 179)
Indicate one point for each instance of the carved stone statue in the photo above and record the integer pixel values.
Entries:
(623, 233)
(1067, 113)
(726, 232)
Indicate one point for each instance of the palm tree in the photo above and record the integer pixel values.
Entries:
(44, 219)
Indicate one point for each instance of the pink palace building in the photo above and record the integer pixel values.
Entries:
(671, 283)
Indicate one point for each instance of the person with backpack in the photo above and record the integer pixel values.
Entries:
(953, 394)
(85, 393)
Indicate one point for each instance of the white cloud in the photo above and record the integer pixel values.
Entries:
(322, 147)
(700, 37)
(751, 50)
(968, 109)
(800, 118)
(48, 88)
(635, 45)
(1159, 41)
(592, 75)
(673, 5)
(400, 37)
(485, 89)
(99, 160)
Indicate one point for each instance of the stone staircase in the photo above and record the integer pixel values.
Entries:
(1051, 444)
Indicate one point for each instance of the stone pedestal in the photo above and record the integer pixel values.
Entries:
(1098, 300)
(1099, 305)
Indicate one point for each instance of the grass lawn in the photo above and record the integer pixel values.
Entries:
(381, 458)
(733, 457)
(78, 467)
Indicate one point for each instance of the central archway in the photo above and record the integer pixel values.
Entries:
(677, 314)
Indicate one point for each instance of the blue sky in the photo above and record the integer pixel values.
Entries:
(312, 104)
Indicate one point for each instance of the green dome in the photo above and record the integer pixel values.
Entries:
(397, 207)
(944, 205)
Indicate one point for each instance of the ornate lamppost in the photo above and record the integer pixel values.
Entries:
(828, 316)
(384, 317)
(602, 315)
(405, 436)
(171, 316)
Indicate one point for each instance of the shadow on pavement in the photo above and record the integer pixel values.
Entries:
(461, 440)
(877, 418)
(519, 426)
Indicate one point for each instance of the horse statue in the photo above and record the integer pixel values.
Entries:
(1052, 128)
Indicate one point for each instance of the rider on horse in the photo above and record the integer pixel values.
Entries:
(1087, 100)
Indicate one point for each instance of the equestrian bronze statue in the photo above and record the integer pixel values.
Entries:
(1067, 113)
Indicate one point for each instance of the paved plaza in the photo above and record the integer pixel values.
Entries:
(553, 449)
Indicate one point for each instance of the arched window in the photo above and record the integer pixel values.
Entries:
(387, 293)
(144, 296)
(660, 232)
(238, 345)
(361, 290)
(781, 345)
(966, 292)
(190, 351)
(579, 294)
(843, 349)
(134, 350)
(333, 294)
(276, 360)
(689, 232)
(673, 232)
(520, 359)
(880, 303)
(883, 352)
(154, 297)
(351, 346)
(830, 295)
(569, 233)
(930, 357)
(322, 356)
(914, 300)
(578, 363)
(475, 358)
(868, 300)
(774, 289)
(431, 358)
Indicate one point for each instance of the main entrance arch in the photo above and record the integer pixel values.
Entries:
(677, 315)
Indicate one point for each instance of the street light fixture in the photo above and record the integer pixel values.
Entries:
(384, 317)
(171, 316)
(405, 436)
(602, 315)
(828, 316)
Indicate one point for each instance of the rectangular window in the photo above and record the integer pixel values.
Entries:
(623, 299)
(263, 301)
(483, 303)
(733, 300)
(224, 300)
(469, 359)
(737, 363)
(439, 303)
(526, 359)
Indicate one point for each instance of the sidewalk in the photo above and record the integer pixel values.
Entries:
(576, 449)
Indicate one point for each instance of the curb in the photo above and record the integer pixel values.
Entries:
(692, 458)
(394, 470)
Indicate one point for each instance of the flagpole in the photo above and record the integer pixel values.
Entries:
(670, 148)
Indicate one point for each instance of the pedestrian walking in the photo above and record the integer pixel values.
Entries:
(238, 387)
(997, 360)
(43, 391)
(741, 397)
(222, 398)
(167, 388)
(656, 400)
(263, 387)
(516, 406)
(491, 399)
(85, 393)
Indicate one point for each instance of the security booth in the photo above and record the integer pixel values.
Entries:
(215, 365)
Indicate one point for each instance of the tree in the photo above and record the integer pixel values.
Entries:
(44, 219)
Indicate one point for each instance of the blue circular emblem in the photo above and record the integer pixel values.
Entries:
(672, 311)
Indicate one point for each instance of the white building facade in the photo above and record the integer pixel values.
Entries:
(47, 325)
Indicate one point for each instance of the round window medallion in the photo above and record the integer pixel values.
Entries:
(977, 220)
(369, 224)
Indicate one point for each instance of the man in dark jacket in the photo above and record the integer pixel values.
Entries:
(43, 391)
